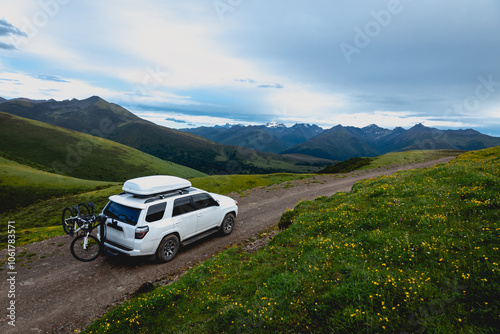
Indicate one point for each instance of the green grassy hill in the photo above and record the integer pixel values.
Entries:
(393, 158)
(21, 185)
(39, 161)
(417, 251)
(409, 157)
(70, 153)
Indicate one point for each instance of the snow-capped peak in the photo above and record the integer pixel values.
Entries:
(274, 124)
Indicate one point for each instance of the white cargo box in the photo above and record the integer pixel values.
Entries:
(156, 184)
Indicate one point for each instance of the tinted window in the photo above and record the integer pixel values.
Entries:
(182, 205)
(203, 201)
(155, 212)
(122, 213)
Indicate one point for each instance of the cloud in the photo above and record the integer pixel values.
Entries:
(175, 120)
(6, 46)
(279, 86)
(245, 80)
(15, 84)
(49, 78)
(8, 30)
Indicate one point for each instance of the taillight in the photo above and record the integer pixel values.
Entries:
(140, 232)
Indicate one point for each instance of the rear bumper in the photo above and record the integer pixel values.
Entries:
(115, 248)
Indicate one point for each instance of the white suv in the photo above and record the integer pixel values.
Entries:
(155, 214)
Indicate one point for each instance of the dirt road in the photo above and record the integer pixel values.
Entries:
(54, 293)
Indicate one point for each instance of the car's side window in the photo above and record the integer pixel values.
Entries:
(182, 206)
(156, 212)
(202, 201)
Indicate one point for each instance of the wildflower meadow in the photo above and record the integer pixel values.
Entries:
(412, 252)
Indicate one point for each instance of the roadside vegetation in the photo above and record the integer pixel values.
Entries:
(409, 157)
(416, 251)
(347, 166)
(393, 158)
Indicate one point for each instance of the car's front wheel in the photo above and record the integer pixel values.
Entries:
(227, 225)
(168, 248)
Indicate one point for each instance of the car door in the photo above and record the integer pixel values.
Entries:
(184, 217)
(207, 210)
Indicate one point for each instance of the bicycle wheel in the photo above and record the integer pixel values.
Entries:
(83, 210)
(90, 253)
(91, 206)
(67, 220)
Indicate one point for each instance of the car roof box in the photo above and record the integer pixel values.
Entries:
(156, 184)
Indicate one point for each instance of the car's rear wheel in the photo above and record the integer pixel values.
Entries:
(227, 225)
(168, 248)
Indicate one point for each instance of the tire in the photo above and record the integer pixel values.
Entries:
(168, 248)
(227, 225)
(67, 225)
(83, 210)
(94, 248)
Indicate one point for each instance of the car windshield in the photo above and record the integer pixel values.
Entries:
(123, 213)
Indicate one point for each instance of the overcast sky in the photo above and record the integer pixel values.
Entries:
(206, 62)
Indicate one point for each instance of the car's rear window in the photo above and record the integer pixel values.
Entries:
(122, 213)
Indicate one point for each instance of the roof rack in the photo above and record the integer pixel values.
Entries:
(158, 197)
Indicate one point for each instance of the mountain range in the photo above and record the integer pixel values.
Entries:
(100, 118)
(240, 149)
(272, 137)
(344, 142)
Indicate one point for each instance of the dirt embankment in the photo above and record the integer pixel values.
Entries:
(54, 293)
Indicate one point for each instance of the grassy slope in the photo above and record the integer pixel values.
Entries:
(54, 149)
(415, 251)
(393, 158)
(21, 185)
(409, 157)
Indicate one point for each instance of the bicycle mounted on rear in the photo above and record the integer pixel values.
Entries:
(81, 220)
